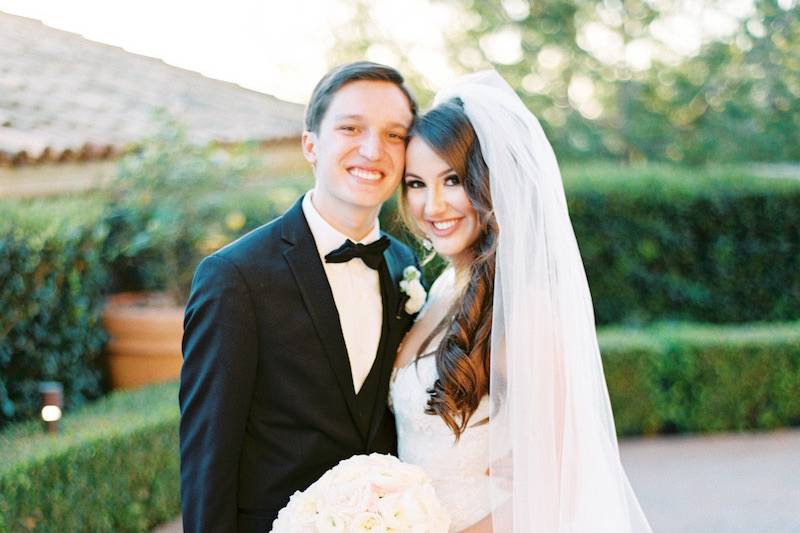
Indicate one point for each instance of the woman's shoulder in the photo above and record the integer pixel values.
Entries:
(444, 284)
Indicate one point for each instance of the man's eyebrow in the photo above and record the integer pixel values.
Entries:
(355, 116)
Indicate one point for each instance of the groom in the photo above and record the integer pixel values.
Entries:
(290, 332)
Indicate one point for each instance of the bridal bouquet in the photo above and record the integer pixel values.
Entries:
(366, 493)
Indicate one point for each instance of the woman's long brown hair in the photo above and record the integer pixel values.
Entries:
(462, 358)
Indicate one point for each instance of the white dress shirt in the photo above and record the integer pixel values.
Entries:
(356, 291)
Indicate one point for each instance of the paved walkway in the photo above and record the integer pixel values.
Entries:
(732, 483)
(736, 483)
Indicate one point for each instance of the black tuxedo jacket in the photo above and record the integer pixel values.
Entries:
(266, 395)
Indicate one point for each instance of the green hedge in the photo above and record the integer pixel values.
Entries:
(661, 243)
(694, 378)
(52, 277)
(114, 467)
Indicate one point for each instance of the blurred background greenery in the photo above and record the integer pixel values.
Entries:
(625, 79)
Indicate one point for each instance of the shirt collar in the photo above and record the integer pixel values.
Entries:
(326, 236)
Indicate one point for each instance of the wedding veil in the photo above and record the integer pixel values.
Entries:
(555, 465)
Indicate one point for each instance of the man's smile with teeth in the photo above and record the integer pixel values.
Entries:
(371, 175)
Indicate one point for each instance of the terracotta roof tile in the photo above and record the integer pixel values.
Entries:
(63, 96)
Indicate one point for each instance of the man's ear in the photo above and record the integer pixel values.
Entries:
(309, 144)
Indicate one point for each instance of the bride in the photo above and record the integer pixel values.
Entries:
(498, 389)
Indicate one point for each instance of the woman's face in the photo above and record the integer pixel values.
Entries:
(438, 202)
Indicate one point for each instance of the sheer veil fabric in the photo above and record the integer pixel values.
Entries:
(555, 465)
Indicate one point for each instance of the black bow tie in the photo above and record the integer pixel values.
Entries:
(371, 254)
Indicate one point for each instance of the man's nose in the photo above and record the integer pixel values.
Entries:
(370, 147)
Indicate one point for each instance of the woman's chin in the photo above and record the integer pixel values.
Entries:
(448, 252)
(456, 255)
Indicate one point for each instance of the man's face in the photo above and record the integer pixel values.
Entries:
(359, 152)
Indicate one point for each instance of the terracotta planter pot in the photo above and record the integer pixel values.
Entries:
(145, 332)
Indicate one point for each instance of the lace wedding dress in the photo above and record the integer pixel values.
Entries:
(457, 469)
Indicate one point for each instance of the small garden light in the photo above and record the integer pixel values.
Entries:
(51, 398)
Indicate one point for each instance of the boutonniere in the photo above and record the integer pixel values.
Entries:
(412, 288)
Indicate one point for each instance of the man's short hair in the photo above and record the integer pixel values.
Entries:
(340, 76)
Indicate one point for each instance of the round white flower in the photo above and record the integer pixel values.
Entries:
(306, 507)
(352, 497)
(412, 287)
(416, 295)
(330, 521)
(393, 511)
(367, 523)
(411, 272)
(366, 494)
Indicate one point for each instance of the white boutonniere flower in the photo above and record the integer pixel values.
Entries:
(412, 287)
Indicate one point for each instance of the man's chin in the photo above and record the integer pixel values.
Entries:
(370, 200)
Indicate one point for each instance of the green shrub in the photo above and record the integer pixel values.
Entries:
(163, 202)
(693, 378)
(50, 296)
(631, 360)
(712, 246)
(114, 467)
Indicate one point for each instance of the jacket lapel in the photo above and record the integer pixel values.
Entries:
(395, 275)
(391, 324)
(306, 266)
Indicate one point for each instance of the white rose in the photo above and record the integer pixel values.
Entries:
(323, 484)
(437, 515)
(420, 506)
(330, 521)
(397, 477)
(366, 494)
(299, 512)
(411, 272)
(392, 509)
(416, 295)
(367, 523)
(352, 497)
(411, 286)
(305, 508)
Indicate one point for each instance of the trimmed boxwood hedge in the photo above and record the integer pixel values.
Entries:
(694, 378)
(51, 276)
(114, 467)
(704, 245)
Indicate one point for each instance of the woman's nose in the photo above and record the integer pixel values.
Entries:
(434, 203)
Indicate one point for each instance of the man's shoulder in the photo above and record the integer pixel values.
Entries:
(253, 245)
(257, 252)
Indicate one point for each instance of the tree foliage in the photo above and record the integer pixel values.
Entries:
(608, 80)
